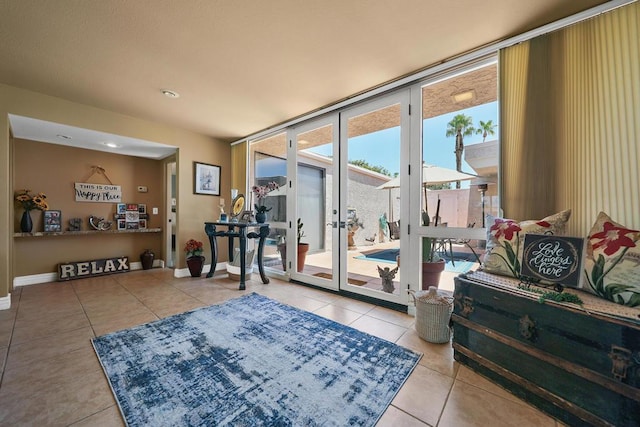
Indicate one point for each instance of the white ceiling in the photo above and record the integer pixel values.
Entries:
(241, 66)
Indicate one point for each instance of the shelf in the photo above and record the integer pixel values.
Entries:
(87, 232)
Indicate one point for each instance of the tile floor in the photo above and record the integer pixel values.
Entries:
(51, 376)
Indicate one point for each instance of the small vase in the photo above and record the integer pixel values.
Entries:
(146, 258)
(261, 217)
(26, 225)
(195, 264)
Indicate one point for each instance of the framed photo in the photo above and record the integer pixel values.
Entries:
(142, 209)
(132, 216)
(122, 224)
(206, 179)
(121, 208)
(132, 225)
(247, 216)
(52, 221)
(142, 224)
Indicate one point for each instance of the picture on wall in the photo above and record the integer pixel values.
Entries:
(206, 179)
(52, 221)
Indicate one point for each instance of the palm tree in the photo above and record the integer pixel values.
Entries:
(460, 126)
(486, 128)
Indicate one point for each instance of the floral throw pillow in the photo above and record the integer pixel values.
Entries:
(612, 264)
(505, 240)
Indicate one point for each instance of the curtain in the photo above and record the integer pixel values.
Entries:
(570, 122)
(239, 167)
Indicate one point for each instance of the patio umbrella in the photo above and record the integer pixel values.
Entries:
(432, 175)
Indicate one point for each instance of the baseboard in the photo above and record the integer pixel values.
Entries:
(5, 302)
(35, 279)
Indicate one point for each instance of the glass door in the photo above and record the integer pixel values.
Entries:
(314, 217)
(374, 146)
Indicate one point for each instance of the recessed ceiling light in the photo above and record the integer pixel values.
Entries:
(170, 94)
(111, 144)
(64, 136)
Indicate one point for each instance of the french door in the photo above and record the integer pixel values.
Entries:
(348, 200)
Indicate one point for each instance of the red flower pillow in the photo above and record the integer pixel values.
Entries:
(612, 264)
(505, 240)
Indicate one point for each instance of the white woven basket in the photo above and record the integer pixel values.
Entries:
(433, 312)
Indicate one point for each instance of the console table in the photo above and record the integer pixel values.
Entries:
(241, 231)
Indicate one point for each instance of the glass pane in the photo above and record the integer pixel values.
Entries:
(460, 161)
(373, 205)
(314, 180)
(268, 160)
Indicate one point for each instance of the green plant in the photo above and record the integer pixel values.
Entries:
(300, 230)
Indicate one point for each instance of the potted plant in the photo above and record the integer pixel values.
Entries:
(195, 260)
(432, 264)
(261, 191)
(29, 202)
(303, 248)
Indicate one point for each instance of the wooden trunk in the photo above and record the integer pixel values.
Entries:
(581, 367)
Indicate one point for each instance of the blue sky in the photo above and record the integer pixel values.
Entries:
(381, 148)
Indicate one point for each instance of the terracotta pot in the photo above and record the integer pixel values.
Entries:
(431, 273)
(303, 248)
(195, 264)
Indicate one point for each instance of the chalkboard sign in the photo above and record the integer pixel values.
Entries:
(552, 259)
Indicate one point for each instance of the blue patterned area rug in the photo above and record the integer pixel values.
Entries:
(251, 362)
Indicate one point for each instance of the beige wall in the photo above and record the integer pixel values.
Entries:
(192, 210)
(53, 170)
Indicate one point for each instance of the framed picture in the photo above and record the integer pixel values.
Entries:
(142, 209)
(132, 216)
(52, 221)
(247, 216)
(206, 179)
(121, 208)
(142, 224)
(122, 224)
(132, 225)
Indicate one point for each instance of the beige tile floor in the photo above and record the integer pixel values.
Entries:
(51, 376)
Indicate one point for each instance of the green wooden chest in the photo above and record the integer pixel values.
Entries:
(577, 364)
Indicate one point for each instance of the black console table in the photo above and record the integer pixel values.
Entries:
(239, 230)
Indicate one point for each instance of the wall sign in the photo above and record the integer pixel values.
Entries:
(100, 193)
(98, 267)
(552, 259)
